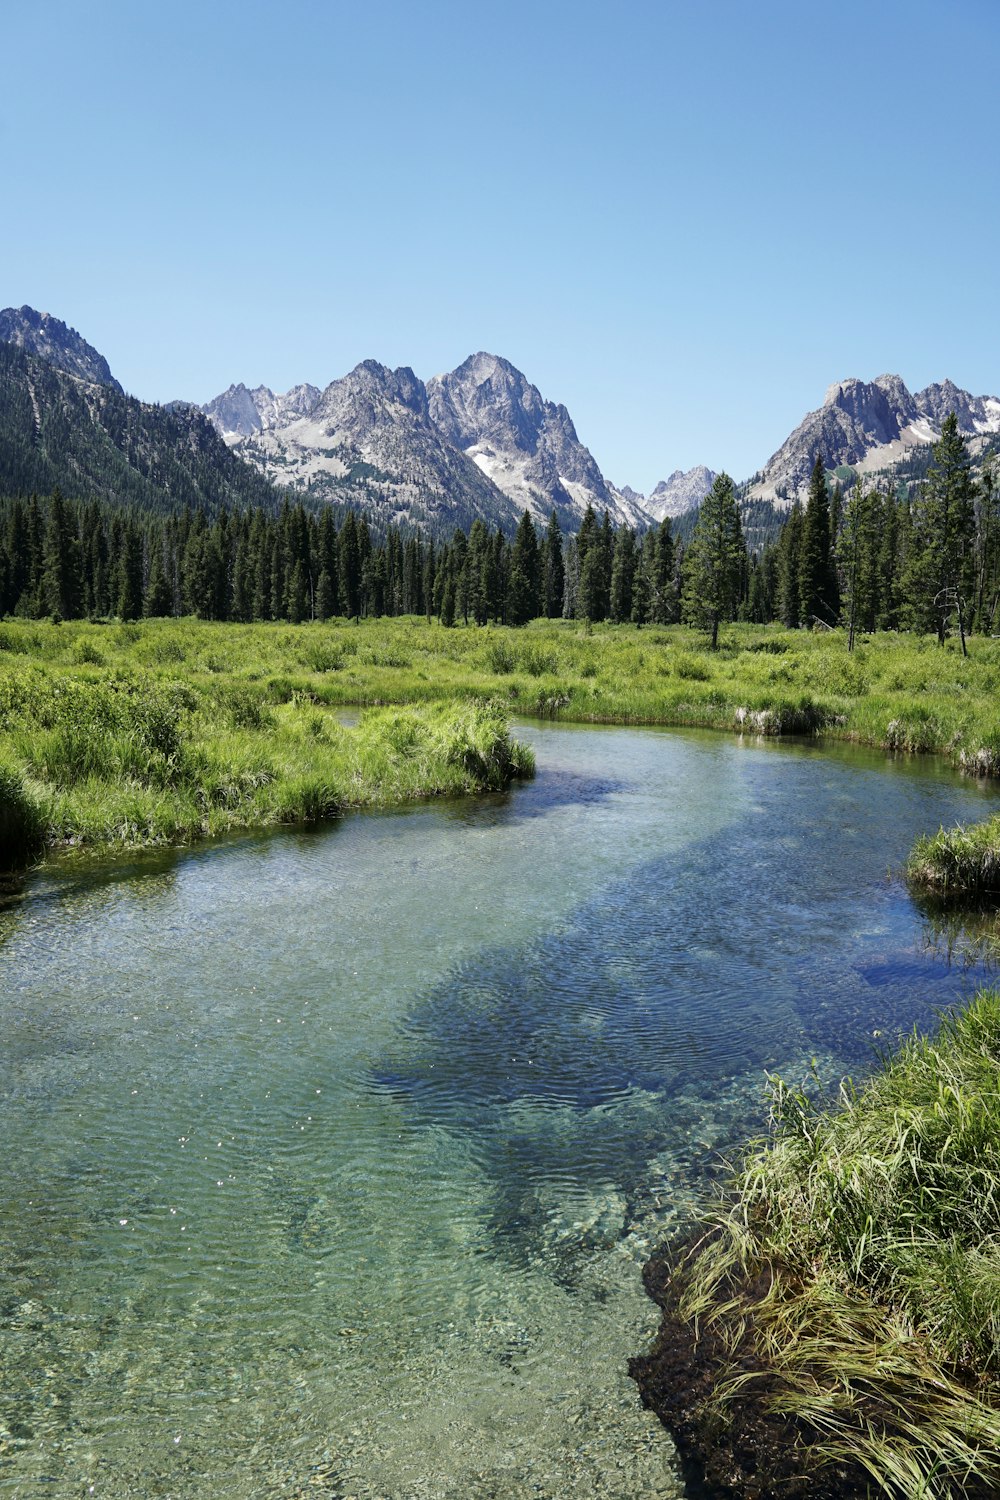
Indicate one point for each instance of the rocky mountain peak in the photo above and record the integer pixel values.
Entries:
(870, 425)
(681, 492)
(54, 341)
(525, 443)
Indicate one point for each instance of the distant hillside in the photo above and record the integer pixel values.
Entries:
(54, 341)
(89, 439)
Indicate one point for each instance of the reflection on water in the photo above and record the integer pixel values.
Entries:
(331, 1158)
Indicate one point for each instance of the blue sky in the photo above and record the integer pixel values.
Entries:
(683, 220)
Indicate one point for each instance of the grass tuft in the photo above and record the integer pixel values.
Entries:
(852, 1273)
(958, 866)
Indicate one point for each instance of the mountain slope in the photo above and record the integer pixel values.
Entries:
(478, 442)
(91, 440)
(526, 444)
(869, 426)
(366, 440)
(50, 339)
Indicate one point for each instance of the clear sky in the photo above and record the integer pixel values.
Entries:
(683, 220)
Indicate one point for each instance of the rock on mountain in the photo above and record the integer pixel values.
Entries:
(527, 445)
(869, 425)
(52, 340)
(366, 440)
(681, 492)
(478, 442)
(238, 412)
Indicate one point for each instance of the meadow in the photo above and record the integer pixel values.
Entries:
(115, 735)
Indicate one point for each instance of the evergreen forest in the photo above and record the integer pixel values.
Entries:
(870, 559)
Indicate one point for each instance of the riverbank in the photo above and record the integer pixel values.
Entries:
(835, 1323)
(106, 757)
(170, 730)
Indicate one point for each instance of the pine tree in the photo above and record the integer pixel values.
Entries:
(940, 573)
(789, 551)
(662, 575)
(817, 575)
(714, 559)
(523, 589)
(623, 567)
(859, 559)
(158, 599)
(553, 572)
(61, 561)
(350, 567)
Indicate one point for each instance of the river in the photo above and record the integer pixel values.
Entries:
(331, 1158)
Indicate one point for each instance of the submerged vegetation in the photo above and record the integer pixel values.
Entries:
(846, 1294)
(166, 730)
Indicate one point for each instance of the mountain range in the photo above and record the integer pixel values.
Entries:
(478, 442)
(868, 426)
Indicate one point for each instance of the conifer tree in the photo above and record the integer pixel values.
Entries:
(663, 605)
(158, 599)
(940, 574)
(523, 592)
(713, 562)
(350, 567)
(788, 570)
(817, 575)
(61, 561)
(553, 572)
(623, 567)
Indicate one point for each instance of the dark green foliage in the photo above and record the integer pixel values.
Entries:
(623, 568)
(713, 562)
(524, 589)
(940, 572)
(789, 573)
(817, 577)
(553, 571)
(22, 826)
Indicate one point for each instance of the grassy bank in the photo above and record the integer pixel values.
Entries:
(101, 756)
(848, 1290)
(170, 729)
(958, 866)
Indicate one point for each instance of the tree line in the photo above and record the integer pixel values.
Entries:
(869, 560)
(74, 560)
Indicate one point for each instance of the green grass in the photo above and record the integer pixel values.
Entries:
(958, 866)
(170, 744)
(193, 727)
(853, 1269)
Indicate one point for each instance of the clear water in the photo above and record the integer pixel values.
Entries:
(330, 1160)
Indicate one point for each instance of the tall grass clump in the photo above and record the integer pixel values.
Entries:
(476, 740)
(849, 1283)
(22, 824)
(958, 866)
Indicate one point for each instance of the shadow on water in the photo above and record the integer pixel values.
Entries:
(644, 1026)
(552, 788)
